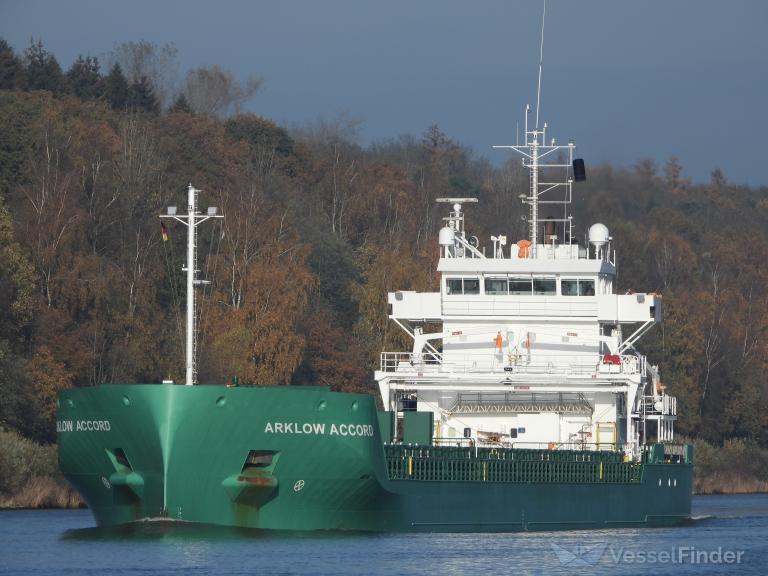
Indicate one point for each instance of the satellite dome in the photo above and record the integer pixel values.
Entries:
(598, 235)
(447, 236)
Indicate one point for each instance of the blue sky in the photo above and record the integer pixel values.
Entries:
(625, 80)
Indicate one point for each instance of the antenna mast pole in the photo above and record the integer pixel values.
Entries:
(191, 368)
(533, 197)
(191, 220)
(534, 152)
(541, 63)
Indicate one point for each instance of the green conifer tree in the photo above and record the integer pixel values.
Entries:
(84, 80)
(181, 104)
(42, 70)
(11, 70)
(116, 89)
(142, 98)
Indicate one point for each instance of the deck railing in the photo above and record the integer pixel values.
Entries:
(460, 464)
(664, 405)
(436, 363)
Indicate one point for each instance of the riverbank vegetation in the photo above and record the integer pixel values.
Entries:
(318, 228)
(736, 467)
(30, 477)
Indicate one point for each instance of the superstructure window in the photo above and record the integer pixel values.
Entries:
(471, 286)
(569, 287)
(586, 287)
(577, 287)
(455, 286)
(496, 286)
(520, 286)
(545, 286)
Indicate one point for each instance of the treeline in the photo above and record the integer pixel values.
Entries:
(317, 230)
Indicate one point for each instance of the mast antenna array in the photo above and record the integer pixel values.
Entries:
(535, 151)
(192, 219)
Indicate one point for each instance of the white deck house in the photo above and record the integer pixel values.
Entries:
(533, 347)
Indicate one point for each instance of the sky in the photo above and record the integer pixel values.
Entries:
(626, 80)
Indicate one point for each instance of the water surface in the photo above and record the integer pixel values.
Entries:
(37, 542)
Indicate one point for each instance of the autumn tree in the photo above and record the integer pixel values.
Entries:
(333, 357)
(384, 271)
(47, 377)
(262, 296)
(267, 140)
(17, 282)
(673, 171)
(214, 91)
(150, 64)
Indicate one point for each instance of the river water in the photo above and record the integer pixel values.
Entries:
(729, 536)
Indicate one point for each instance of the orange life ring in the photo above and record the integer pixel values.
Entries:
(522, 248)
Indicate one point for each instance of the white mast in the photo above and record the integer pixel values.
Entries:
(191, 220)
(533, 151)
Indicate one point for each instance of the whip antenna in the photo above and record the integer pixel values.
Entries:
(541, 62)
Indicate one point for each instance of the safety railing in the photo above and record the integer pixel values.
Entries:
(409, 362)
(518, 363)
(460, 464)
(664, 405)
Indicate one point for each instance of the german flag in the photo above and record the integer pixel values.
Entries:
(164, 231)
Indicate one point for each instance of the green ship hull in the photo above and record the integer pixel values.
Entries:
(305, 458)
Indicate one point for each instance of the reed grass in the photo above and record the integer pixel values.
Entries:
(30, 477)
(737, 467)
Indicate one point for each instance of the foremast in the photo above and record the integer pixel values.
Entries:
(192, 219)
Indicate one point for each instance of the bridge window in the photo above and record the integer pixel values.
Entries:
(545, 286)
(569, 287)
(586, 287)
(577, 287)
(455, 286)
(520, 286)
(471, 286)
(496, 286)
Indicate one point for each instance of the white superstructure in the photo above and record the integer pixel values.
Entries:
(527, 344)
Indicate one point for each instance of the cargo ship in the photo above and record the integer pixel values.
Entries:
(522, 404)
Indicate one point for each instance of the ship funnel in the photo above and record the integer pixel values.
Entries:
(579, 171)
